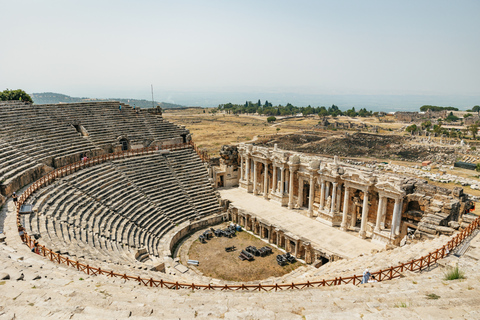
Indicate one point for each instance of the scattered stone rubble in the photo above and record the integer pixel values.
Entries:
(422, 172)
(345, 144)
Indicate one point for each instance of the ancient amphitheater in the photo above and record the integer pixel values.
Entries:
(107, 195)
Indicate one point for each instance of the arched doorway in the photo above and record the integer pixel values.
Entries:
(306, 194)
(124, 144)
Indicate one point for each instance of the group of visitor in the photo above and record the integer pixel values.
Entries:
(367, 277)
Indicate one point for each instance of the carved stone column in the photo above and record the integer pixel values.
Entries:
(399, 217)
(379, 212)
(311, 195)
(334, 197)
(247, 169)
(282, 181)
(339, 197)
(343, 226)
(255, 191)
(327, 191)
(395, 216)
(290, 188)
(265, 180)
(363, 226)
(241, 167)
(322, 194)
(300, 192)
(274, 178)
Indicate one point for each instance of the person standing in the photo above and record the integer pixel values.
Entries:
(366, 276)
(21, 232)
(120, 108)
(15, 199)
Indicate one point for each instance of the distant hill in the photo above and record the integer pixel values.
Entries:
(51, 97)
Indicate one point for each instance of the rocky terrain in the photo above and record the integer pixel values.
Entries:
(346, 144)
(33, 287)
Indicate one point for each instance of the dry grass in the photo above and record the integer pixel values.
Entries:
(211, 131)
(215, 262)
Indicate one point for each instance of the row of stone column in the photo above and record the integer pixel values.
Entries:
(324, 194)
(245, 176)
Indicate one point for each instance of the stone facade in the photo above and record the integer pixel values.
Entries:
(325, 124)
(471, 120)
(417, 116)
(224, 170)
(298, 246)
(377, 205)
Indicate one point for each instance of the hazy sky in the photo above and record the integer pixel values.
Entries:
(118, 48)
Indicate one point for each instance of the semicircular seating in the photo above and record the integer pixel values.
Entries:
(109, 211)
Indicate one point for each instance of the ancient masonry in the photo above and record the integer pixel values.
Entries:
(35, 139)
(378, 205)
(407, 116)
(115, 210)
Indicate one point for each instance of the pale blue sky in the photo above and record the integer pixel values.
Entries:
(118, 48)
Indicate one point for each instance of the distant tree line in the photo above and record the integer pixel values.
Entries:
(18, 94)
(270, 110)
(437, 108)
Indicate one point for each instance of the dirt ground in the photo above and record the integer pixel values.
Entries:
(211, 131)
(215, 262)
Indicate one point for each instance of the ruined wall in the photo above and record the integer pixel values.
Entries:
(417, 116)
(433, 208)
(406, 116)
(11, 185)
(229, 154)
(471, 120)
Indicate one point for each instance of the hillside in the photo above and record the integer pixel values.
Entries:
(51, 97)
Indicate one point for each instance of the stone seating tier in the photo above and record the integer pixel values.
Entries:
(40, 136)
(35, 135)
(106, 211)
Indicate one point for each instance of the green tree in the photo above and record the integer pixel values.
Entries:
(427, 124)
(473, 129)
(411, 128)
(438, 128)
(436, 108)
(19, 94)
(271, 119)
(476, 109)
(323, 112)
(451, 117)
(351, 113)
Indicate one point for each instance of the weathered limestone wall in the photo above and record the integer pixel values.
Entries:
(8, 187)
(298, 246)
(436, 209)
(324, 187)
(59, 162)
(417, 116)
(226, 169)
(194, 226)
